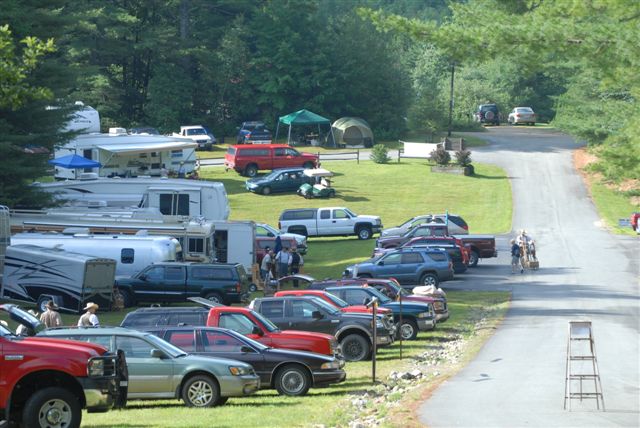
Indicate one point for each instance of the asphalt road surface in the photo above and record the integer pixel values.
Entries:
(586, 273)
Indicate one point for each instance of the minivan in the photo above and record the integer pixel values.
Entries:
(248, 159)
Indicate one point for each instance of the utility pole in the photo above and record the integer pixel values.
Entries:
(453, 67)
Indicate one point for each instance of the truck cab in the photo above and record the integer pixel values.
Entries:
(198, 134)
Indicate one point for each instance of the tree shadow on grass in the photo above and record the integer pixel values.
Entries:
(490, 177)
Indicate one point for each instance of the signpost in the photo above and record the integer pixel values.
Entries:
(373, 303)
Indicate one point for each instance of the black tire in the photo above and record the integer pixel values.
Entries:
(222, 401)
(307, 165)
(253, 288)
(266, 190)
(408, 330)
(355, 347)
(332, 193)
(52, 407)
(216, 298)
(364, 232)
(42, 303)
(429, 279)
(251, 170)
(201, 391)
(127, 299)
(473, 258)
(292, 380)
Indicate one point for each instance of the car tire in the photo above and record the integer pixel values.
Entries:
(292, 380)
(364, 232)
(489, 115)
(332, 193)
(52, 407)
(127, 300)
(42, 303)
(253, 288)
(221, 401)
(201, 391)
(307, 165)
(251, 170)
(473, 258)
(408, 330)
(216, 298)
(429, 279)
(266, 190)
(355, 347)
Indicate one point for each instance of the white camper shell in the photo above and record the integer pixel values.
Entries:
(131, 253)
(37, 275)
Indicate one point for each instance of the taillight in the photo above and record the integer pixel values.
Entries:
(238, 287)
(466, 227)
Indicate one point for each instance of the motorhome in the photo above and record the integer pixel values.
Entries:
(171, 196)
(131, 253)
(37, 275)
(127, 155)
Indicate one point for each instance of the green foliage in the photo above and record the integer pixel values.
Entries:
(380, 153)
(440, 156)
(463, 157)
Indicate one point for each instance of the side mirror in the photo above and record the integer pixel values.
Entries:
(366, 301)
(316, 315)
(256, 330)
(156, 353)
(246, 349)
(381, 263)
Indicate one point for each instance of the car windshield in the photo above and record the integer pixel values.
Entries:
(337, 301)
(4, 331)
(271, 327)
(351, 213)
(248, 340)
(325, 305)
(398, 289)
(381, 297)
(524, 110)
(198, 131)
(269, 229)
(165, 346)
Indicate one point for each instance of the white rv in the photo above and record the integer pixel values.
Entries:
(131, 253)
(172, 197)
(127, 155)
(235, 242)
(37, 275)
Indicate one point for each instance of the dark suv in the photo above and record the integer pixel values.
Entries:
(488, 113)
(175, 282)
(253, 133)
(353, 330)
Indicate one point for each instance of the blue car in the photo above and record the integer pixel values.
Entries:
(279, 180)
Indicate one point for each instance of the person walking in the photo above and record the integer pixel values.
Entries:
(89, 318)
(51, 317)
(265, 266)
(515, 257)
(295, 263)
(282, 258)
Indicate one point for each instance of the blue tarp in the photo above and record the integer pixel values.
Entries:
(74, 161)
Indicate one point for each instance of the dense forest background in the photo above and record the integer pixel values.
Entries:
(166, 63)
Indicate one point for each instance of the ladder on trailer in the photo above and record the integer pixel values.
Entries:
(582, 378)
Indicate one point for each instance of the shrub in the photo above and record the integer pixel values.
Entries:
(440, 156)
(380, 153)
(463, 157)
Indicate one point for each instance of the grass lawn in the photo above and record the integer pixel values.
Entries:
(612, 206)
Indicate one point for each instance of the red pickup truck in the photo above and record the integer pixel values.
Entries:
(248, 159)
(47, 382)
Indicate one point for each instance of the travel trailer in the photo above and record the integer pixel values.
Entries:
(126, 155)
(132, 253)
(37, 275)
(171, 196)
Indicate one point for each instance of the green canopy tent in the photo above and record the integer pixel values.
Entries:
(304, 117)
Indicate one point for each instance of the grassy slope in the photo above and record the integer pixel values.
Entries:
(611, 206)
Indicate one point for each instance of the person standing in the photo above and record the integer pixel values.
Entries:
(181, 171)
(295, 263)
(265, 266)
(51, 317)
(515, 257)
(282, 258)
(164, 173)
(89, 318)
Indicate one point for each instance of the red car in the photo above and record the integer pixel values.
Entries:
(248, 159)
(428, 240)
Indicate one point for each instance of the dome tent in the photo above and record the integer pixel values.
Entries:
(352, 131)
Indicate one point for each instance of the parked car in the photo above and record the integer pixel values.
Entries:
(488, 113)
(199, 134)
(427, 229)
(480, 247)
(353, 331)
(277, 181)
(159, 370)
(414, 266)
(415, 316)
(250, 158)
(144, 130)
(253, 133)
(178, 281)
(522, 115)
(243, 320)
(329, 221)
(458, 253)
(266, 230)
(289, 372)
(455, 224)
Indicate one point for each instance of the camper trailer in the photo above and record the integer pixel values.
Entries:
(126, 155)
(171, 197)
(37, 275)
(131, 253)
(235, 242)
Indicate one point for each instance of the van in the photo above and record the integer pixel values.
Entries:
(248, 159)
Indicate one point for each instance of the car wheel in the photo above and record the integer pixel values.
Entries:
(127, 300)
(251, 170)
(307, 165)
(253, 288)
(364, 233)
(42, 303)
(332, 193)
(292, 380)
(408, 330)
(266, 190)
(215, 298)
(473, 258)
(201, 391)
(429, 279)
(355, 347)
(52, 407)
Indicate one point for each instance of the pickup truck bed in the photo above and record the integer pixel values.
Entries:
(482, 247)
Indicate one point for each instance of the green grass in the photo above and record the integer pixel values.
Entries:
(611, 206)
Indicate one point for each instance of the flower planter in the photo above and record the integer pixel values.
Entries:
(454, 169)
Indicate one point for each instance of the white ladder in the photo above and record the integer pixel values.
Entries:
(582, 366)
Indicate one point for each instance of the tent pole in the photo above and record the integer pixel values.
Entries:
(289, 136)
(275, 140)
(333, 138)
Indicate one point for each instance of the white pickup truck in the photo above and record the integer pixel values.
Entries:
(329, 221)
(198, 134)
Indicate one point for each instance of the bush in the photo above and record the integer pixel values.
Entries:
(380, 153)
(440, 156)
(463, 157)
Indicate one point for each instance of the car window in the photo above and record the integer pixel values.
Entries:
(411, 258)
(187, 318)
(325, 214)
(155, 273)
(340, 214)
(98, 340)
(392, 258)
(422, 231)
(279, 152)
(184, 340)
(356, 297)
(237, 322)
(133, 347)
(127, 255)
(174, 273)
(292, 152)
(272, 308)
(217, 341)
(438, 257)
(418, 222)
(302, 309)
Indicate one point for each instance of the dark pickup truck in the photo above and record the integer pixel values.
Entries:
(223, 283)
(481, 247)
(253, 133)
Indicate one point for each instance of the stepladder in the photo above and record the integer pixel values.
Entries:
(582, 377)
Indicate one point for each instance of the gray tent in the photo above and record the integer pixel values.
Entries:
(352, 131)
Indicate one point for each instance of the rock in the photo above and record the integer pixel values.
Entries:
(407, 376)
(415, 373)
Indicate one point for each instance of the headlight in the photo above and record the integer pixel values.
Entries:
(335, 364)
(240, 370)
(424, 314)
(95, 368)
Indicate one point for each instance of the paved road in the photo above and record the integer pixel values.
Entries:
(586, 274)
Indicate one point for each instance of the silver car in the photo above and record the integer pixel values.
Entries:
(456, 224)
(522, 115)
(159, 370)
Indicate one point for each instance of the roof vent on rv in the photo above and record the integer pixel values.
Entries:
(76, 231)
(117, 131)
(88, 176)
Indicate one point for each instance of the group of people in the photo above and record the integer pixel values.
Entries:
(287, 261)
(51, 318)
(521, 245)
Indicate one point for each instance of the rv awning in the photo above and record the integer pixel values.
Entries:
(147, 147)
